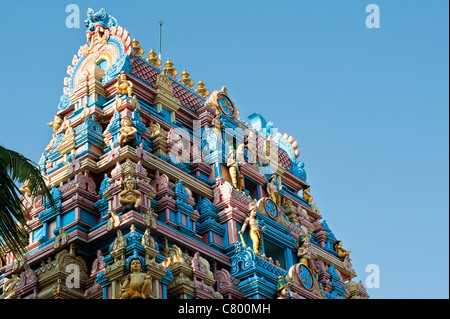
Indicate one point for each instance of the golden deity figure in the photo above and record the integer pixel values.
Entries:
(217, 125)
(255, 232)
(233, 168)
(130, 197)
(56, 124)
(137, 285)
(307, 195)
(123, 85)
(273, 190)
(304, 251)
(25, 189)
(341, 251)
(127, 134)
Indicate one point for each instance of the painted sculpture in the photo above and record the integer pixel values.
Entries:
(123, 85)
(137, 285)
(273, 190)
(233, 168)
(127, 134)
(282, 289)
(341, 251)
(307, 195)
(255, 232)
(130, 197)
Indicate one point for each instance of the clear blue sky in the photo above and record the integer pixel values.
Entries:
(368, 106)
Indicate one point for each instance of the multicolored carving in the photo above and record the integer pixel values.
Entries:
(220, 101)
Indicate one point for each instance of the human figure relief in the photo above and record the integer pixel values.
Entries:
(127, 134)
(137, 285)
(307, 195)
(341, 251)
(233, 168)
(255, 232)
(273, 190)
(123, 85)
(130, 197)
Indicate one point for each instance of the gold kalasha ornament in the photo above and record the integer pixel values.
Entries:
(186, 80)
(137, 48)
(201, 89)
(169, 69)
(153, 58)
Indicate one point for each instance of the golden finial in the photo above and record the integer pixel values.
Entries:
(153, 59)
(132, 228)
(186, 80)
(136, 47)
(170, 69)
(201, 89)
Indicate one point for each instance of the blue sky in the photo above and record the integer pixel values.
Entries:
(368, 106)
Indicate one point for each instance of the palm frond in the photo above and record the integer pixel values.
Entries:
(16, 168)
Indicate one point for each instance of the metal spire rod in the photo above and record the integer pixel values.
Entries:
(160, 29)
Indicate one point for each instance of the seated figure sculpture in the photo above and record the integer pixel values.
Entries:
(127, 134)
(123, 85)
(341, 251)
(137, 284)
(130, 197)
(307, 195)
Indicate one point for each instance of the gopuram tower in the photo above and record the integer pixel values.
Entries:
(163, 192)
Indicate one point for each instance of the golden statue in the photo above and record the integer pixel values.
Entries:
(273, 190)
(255, 233)
(233, 168)
(307, 196)
(202, 90)
(153, 59)
(127, 134)
(56, 124)
(130, 197)
(123, 85)
(341, 251)
(136, 284)
(303, 251)
(25, 189)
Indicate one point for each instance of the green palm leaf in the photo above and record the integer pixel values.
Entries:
(16, 168)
